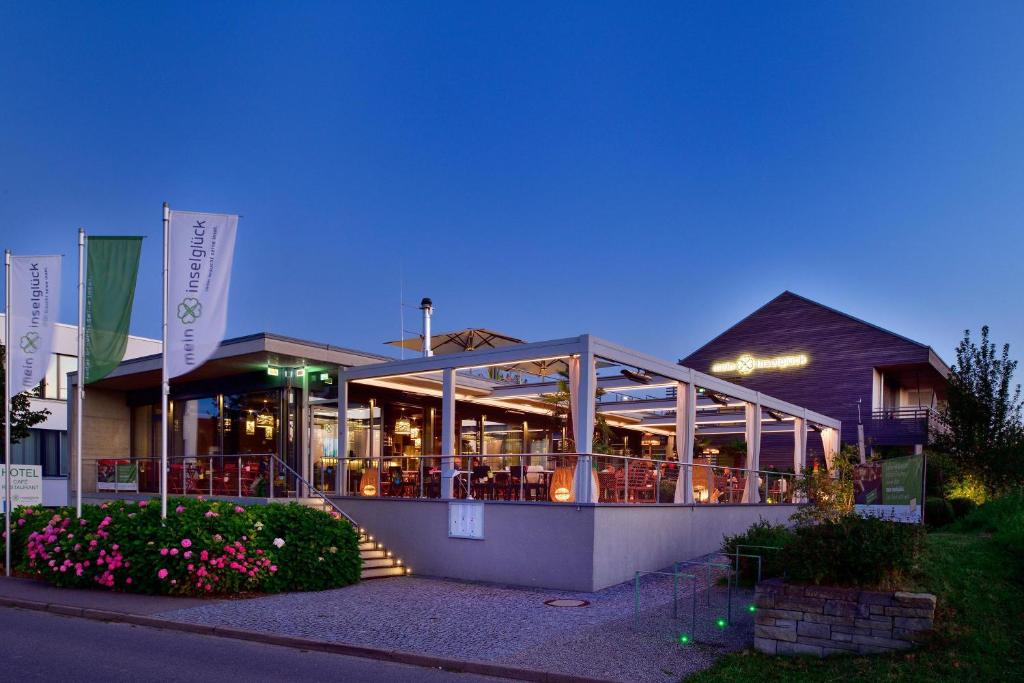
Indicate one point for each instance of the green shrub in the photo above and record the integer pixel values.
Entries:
(315, 556)
(995, 515)
(853, 551)
(966, 486)
(962, 507)
(938, 512)
(760, 533)
(201, 548)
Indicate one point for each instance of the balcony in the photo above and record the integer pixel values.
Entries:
(903, 426)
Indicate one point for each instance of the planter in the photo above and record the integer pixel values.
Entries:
(818, 620)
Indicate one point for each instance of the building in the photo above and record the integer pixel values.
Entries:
(47, 443)
(877, 382)
(553, 463)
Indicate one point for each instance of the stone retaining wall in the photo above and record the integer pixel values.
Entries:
(821, 621)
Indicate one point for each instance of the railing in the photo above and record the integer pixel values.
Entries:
(527, 477)
(549, 477)
(312, 490)
(260, 475)
(923, 418)
(905, 413)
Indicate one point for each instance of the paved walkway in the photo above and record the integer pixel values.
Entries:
(429, 621)
(507, 625)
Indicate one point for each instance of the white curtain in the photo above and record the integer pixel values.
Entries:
(574, 399)
(799, 445)
(686, 418)
(830, 442)
(585, 488)
(751, 493)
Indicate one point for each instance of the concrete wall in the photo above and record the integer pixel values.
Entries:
(107, 433)
(579, 548)
(527, 545)
(628, 539)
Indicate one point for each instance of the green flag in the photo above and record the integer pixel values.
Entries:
(113, 264)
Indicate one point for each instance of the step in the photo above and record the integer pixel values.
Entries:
(368, 545)
(380, 562)
(373, 554)
(381, 572)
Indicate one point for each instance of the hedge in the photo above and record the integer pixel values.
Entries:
(854, 551)
(202, 548)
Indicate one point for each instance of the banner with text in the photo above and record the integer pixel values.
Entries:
(34, 305)
(893, 489)
(113, 264)
(200, 250)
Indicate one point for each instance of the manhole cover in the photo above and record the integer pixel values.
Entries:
(564, 602)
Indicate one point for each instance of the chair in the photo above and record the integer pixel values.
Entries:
(395, 481)
(479, 483)
(516, 480)
(536, 483)
(641, 483)
(608, 486)
(501, 488)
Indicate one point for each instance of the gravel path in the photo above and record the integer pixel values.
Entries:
(508, 625)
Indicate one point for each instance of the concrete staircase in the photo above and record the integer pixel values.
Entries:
(378, 561)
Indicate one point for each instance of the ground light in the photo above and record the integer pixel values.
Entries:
(684, 639)
(721, 623)
(751, 608)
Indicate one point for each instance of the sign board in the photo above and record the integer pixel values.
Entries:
(892, 489)
(26, 485)
(747, 363)
(118, 477)
(466, 519)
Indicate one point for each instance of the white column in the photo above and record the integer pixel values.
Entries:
(686, 425)
(753, 436)
(585, 406)
(341, 471)
(447, 432)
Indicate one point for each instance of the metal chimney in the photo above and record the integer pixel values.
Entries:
(427, 306)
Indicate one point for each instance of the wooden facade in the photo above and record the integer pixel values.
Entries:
(845, 357)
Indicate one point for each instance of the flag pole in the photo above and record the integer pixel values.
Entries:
(7, 415)
(164, 384)
(80, 389)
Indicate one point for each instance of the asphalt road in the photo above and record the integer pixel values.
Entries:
(39, 646)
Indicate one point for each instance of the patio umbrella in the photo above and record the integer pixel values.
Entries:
(470, 339)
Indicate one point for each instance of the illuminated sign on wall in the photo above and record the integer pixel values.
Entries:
(746, 363)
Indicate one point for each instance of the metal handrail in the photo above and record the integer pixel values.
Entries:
(314, 490)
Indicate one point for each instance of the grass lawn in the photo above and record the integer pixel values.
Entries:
(979, 626)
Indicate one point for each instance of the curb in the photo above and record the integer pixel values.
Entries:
(398, 656)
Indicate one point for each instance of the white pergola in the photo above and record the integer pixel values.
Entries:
(688, 414)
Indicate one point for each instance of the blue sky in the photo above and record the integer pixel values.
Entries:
(648, 174)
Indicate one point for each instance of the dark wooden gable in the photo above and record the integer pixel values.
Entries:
(842, 351)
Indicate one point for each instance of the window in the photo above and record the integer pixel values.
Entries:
(55, 384)
(46, 447)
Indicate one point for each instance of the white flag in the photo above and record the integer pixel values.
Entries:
(33, 304)
(200, 250)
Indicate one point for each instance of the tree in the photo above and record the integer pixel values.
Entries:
(980, 428)
(22, 416)
(561, 410)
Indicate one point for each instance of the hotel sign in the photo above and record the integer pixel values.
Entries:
(747, 363)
